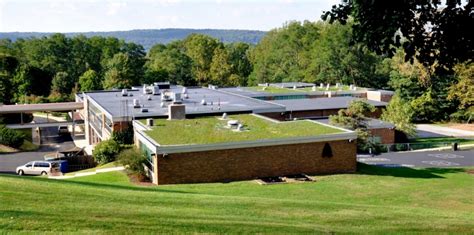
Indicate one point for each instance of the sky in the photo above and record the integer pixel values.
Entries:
(111, 15)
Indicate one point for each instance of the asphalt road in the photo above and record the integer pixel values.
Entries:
(51, 142)
(421, 159)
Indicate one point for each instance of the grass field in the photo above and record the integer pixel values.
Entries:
(191, 131)
(376, 200)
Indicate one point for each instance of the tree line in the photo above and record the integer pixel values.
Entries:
(53, 68)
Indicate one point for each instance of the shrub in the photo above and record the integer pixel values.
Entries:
(106, 151)
(133, 160)
(124, 136)
(11, 137)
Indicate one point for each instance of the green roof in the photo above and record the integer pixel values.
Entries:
(209, 130)
(272, 89)
(331, 88)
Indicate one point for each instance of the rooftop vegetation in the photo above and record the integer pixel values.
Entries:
(411, 200)
(331, 88)
(272, 89)
(207, 130)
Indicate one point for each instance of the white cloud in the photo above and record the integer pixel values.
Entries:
(114, 7)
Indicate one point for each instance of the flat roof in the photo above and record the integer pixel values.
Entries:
(47, 107)
(217, 102)
(340, 102)
(259, 92)
(372, 123)
(292, 84)
(191, 131)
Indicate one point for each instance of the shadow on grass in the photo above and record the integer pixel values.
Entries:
(97, 185)
(406, 172)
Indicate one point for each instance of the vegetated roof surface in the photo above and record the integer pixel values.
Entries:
(273, 89)
(209, 130)
(331, 88)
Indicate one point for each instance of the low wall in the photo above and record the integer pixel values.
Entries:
(254, 162)
(387, 135)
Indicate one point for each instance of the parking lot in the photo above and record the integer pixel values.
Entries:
(52, 142)
(421, 159)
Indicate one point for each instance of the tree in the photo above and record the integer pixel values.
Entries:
(8, 65)
(169, 63)
(220, 69)
(400, 113)
(463, 92)
(240, 62)
(90, 81)
(354, 118)
(121, 73)
(62, 83)
(200, 49)
(433, 32)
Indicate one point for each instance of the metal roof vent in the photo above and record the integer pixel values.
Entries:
(224, 116)
(144, 89)
(144, 110)
(321, 85)
(149, 97)
(162, 104)
(176, 98)
(185, 90)
(294, 87)
(203, 102)
(313, 88)
(136, 103)
(156, 90)
(186, 96)
(124, 92)
(233, 124)
(150, 122)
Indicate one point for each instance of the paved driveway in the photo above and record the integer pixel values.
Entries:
(421, 159)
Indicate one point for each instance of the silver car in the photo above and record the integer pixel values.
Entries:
(38, 168)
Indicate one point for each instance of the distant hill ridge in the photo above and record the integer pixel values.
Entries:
(150, 37)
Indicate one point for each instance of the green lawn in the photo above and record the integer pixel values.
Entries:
(376, 200)
(272, 89)
(106, 165)
(442, 140)
(191, 131)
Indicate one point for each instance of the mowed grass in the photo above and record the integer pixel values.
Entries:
(191, 131)
(376, 200)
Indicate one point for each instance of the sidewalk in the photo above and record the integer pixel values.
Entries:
(103, 170)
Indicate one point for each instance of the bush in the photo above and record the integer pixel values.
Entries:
(133, 160)
(124, 136)
(11, 137)
(106, 151)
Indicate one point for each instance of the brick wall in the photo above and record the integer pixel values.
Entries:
(386, 135)
(251, 163)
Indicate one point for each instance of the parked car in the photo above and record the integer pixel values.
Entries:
(63, 130)
(38, 168)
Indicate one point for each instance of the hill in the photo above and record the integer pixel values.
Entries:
(375, 200)
(150, 37)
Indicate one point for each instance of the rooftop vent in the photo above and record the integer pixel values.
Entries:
(156, 90)
(294, 87)
(224, 116)
(150, 122)
(149, 97)
(327, 87)
(176, 98)
(165, 97)
(233, 124)
(203, 102)
(136, 103)
(186, 96)
(162, 104)
(185, 90)
(176, 111)
(144, 110)
(313, 88)
(321, 85)
(124, 92)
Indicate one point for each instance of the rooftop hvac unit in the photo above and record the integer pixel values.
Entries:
(144, 89)
(150, 122)
(144, 110)
(176, 97)
(156, 90)
(124, 92)
(136, 103)
(165, 97)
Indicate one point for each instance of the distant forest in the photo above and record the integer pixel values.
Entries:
(149, 37)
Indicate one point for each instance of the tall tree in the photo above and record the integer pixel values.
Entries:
(436, 33)
(200, 49)
(220, 69)
(121, 73)
(90, 81)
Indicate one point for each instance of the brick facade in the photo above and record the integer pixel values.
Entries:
(387, 135)
(250, 163)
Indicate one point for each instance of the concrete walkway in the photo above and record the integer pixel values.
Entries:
(429, 130)
(103, 170)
